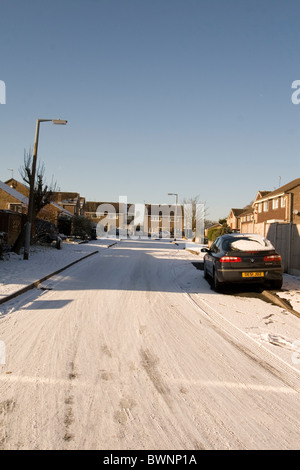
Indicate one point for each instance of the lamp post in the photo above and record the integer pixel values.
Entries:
(175, 216)
(32, 180)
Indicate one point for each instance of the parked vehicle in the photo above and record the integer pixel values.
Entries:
(242, 258)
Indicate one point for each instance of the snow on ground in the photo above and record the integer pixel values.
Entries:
(16, 273)
(136, 351)
(291, 291)
(195, 248)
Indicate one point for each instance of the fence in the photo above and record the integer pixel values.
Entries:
(11, 223)
(286, 240)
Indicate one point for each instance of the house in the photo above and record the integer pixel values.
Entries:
(12, 200)
(233, 220)
(70, 201)
(246, 221)
(149, 219)
(98, 211)
(276, 215)
(162, 218)
(17, 201)
(18, 186)
(281, 205)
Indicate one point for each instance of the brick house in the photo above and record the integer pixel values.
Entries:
(233, 220)
(281, 205)
(70, 201)
(148, 218)
(161, 218)
(17, 201)
(110, 211)
(246, 221)
(20, 187)
(12, 200)
(276, 215)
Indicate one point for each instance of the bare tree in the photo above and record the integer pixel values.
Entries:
(42, 192)
(194, 201)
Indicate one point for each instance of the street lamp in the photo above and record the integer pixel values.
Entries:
(175, 216)
(32, 180)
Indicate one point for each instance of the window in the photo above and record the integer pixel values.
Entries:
(260, 207)
(282, 201)
(251, 243)
(275, 203)
(216, 245)
(16, 208)
(266, 206)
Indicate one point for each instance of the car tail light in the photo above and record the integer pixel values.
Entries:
(230, 259)
(272, 258)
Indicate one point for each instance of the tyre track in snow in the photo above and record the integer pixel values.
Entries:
(243, 341)
(128, 360)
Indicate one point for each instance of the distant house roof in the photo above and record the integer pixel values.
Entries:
(236, 212)
(154, 209)
(65, 196)
(92, 206)
(14, 193)
(216, 224)
(246, 211)
(62, 209)
(283, 189)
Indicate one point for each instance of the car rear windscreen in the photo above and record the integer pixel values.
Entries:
(248, 244)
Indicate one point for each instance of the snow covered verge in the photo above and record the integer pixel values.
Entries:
(195, 248)
(291, 291)
(17, 273)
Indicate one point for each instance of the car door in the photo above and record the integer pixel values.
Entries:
(211, 256)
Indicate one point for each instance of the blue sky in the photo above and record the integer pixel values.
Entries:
(184, 96)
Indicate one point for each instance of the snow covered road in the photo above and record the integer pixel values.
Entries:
(131, 349)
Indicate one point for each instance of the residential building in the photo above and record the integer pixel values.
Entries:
(246, 221)
(149, 219)
(233, 220)
(276, 215)
(18, 186)
(16, 201)
(281, 205)
(70, 201)
(12, 200)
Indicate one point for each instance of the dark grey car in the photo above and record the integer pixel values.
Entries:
(243, 258)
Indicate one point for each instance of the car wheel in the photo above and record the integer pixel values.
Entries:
(217, 284)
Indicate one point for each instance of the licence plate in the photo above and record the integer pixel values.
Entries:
(253, 274)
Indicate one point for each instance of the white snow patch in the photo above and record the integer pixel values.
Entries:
(16, 273)
(252, 244)
(291, 291)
